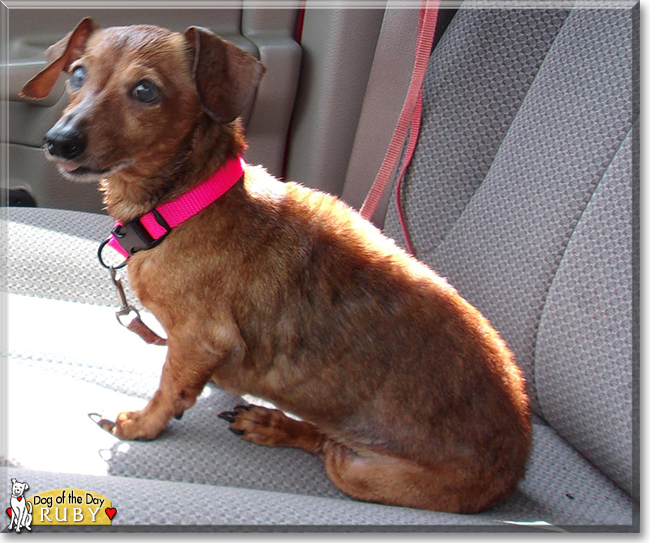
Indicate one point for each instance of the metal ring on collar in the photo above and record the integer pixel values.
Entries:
(101, 260)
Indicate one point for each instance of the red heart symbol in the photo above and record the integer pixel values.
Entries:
(20, 498)
(110, 511)
(9, 511)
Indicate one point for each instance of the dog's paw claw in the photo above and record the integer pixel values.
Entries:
(228, 416)
(262, 426)
(103, 423)
(179, 416)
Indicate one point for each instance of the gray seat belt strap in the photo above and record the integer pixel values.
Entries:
(386, 91)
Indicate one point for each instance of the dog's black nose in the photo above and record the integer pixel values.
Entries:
(65, 142)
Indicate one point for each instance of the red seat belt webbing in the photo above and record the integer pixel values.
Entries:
(413, 139)
(410, 117)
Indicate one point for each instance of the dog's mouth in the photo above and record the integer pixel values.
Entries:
(77, 172)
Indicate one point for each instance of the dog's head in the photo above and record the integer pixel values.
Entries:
(136, 92)
(18, 489)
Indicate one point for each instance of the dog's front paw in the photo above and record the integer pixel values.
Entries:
(128, 425)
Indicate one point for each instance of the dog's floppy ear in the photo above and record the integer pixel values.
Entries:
(26, 487)
(13, 481)
(60, 55)
(225, 76)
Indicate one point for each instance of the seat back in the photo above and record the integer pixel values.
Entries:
(520, 192)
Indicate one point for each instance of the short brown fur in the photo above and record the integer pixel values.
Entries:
(405, 390)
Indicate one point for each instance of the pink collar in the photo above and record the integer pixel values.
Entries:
(150, 229)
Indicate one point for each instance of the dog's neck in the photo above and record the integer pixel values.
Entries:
(131, 193)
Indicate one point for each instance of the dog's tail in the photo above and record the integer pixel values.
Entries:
(29, 507)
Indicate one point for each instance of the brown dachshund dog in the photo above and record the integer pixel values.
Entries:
(403, 388)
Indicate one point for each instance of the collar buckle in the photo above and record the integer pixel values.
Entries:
(134, 237)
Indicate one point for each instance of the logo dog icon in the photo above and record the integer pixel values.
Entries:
(20, 510)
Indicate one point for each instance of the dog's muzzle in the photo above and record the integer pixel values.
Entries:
(65, 142)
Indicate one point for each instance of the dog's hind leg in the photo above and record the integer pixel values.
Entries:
(273, 428)
(385, 479)
(372, 475)
(456, 487)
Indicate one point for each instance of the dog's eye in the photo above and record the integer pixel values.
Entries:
(146, 91)
(77, 77)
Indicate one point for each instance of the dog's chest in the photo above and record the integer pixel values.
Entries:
(150, 288)
(172, 286)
